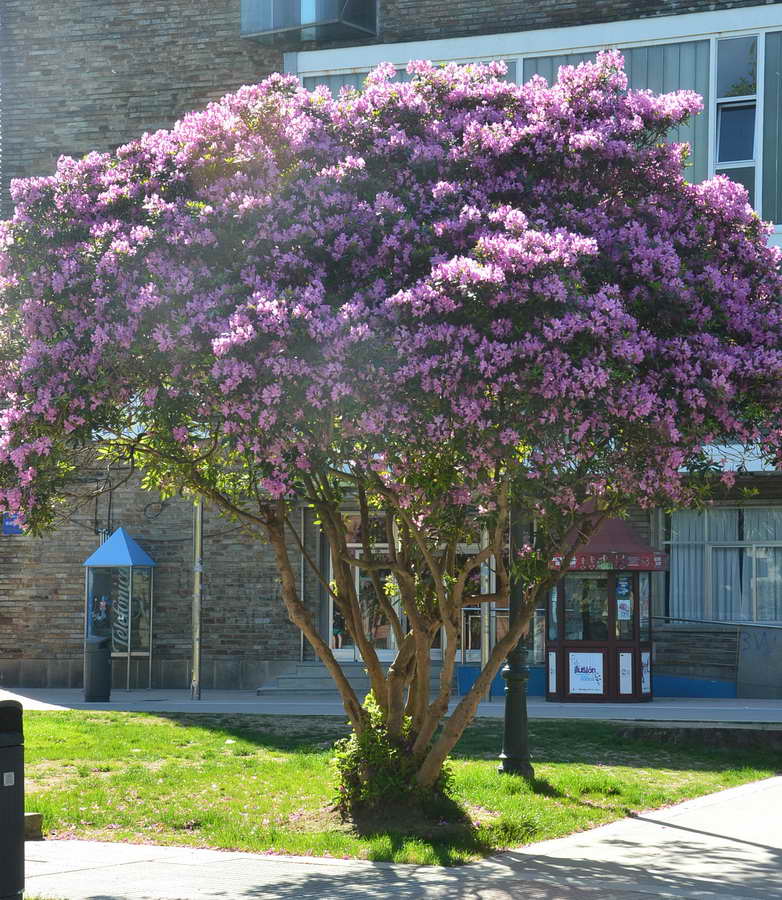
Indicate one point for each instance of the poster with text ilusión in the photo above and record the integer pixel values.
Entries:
(585, 675)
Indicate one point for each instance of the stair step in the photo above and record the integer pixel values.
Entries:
(312, 678)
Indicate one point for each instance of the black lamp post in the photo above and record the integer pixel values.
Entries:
(514, 757)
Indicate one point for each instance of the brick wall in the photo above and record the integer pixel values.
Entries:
(245, 629)
(80, 75)
(410, 20)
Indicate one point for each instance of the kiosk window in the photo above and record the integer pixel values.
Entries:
(586, 607)
(625, 608)
(553, 625)
(644, 595)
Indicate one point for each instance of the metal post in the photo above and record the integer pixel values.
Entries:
(198, 568)
(151, 616)
(130, 626)
(302, 581)
(514, 757)
(485, 611)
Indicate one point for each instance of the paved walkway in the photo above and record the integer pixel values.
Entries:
(662, 710)
(726, 845)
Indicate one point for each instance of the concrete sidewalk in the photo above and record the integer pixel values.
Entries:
(662, 710)
(726, 845)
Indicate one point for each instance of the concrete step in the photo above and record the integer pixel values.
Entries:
(312, 678)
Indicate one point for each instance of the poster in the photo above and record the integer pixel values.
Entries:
(586, 673)
(624, 599)
(553, 627)
(552, 672)
(646, 672)
(625, 673)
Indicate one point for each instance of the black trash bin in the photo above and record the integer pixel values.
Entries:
(97, 668)
(11, 801)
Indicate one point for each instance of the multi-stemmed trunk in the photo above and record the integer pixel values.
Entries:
(421, 570)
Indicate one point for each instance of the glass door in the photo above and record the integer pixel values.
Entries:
(375, 623)
(373, 620)
(471, 635)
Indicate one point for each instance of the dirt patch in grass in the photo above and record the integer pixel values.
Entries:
(479, 815)
(324, 818)
(401, 821)
(42, 783)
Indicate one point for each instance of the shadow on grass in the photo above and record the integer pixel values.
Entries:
(544, 788)
(447, 833)
(608, 743)
(446, 829)
(554, 741)
(294, 734)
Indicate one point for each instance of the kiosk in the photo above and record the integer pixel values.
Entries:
(118, 605)
(598, 621)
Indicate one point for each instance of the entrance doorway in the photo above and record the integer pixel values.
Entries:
(376, 628)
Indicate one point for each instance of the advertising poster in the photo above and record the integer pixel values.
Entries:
(625, 673)
(624, 599)
(586, 673)
(646, 672)
(552, 673)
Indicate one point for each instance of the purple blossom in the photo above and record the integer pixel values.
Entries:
(454, 267)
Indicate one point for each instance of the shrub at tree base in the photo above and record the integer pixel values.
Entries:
(428, 302)
(376, 773)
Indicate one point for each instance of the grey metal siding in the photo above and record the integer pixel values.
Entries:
(673, 67)
(548, 66)
(661, 68)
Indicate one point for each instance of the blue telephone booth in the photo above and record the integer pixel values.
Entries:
(119, 594)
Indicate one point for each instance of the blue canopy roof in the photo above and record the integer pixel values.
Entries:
(119, 550)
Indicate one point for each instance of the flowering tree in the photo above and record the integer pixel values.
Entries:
(431, 301)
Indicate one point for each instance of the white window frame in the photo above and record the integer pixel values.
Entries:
(715, 102)
(709, 545)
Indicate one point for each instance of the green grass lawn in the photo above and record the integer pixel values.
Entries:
(264, 783)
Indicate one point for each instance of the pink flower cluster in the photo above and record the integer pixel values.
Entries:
(454, 267)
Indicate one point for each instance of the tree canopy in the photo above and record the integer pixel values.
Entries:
(432, 299)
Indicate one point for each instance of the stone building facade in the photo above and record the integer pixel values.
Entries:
(246, 635)
(81, 75)
(85, 75)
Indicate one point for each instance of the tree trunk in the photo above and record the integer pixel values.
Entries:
(465, 711)
(299, 616)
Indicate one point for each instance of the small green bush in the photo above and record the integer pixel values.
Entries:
(374, 771)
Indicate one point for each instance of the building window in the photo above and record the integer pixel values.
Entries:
(725, 564)
(736, 108)
(308, 20)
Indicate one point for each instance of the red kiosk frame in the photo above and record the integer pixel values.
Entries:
(598, 620)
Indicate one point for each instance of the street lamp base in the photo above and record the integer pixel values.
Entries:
(509, 766)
